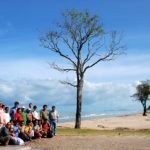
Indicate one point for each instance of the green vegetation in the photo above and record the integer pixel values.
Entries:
(142, 94)
(91, 132)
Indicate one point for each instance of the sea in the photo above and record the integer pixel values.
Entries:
(97, 110)
(90, 112)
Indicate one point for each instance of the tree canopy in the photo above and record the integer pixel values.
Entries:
(142, 94)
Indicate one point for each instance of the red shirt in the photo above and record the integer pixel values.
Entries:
(46, 126)
(18, 117)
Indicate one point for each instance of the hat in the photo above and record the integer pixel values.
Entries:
(23, 107)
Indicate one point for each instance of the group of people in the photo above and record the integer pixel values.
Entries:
(19, 124)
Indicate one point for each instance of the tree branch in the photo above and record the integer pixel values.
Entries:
(55, 66)
(68, 83)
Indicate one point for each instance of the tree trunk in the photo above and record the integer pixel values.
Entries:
(144, 110)
(79, 103)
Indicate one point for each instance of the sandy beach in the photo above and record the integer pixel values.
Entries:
(135, 122)
(101, 142)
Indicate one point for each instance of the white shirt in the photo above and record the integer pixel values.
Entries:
(7, 117)
(53, 115)
(36, 115)
(2, 117)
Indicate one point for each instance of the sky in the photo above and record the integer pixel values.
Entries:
(25, 73)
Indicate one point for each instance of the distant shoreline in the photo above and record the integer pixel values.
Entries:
(131, 121)
(95, 117)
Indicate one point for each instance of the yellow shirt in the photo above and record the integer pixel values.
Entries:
(28, 129)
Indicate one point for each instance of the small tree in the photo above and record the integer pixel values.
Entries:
(142, 94)
(81, 41)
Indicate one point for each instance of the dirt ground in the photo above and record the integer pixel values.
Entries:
(93, 143)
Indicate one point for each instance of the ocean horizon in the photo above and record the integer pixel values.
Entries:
(70, 117)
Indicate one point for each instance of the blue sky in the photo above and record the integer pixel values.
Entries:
(22, 22)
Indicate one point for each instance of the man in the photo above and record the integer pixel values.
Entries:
(44, 113)
(53, 118)
(7, 115)
(5, 134)
(30, 107)
(35, 114)
(14, 110)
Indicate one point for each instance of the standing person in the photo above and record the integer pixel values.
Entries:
(29, 115)
(2, 116)
(24, 114)
(7, 115)
(44, 113)
(30, 107)
(35, 114)
(53, 118)
(18, 116)
(14, 110)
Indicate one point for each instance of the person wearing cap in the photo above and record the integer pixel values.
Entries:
(14, 110)
(53, 118)
(24, 115)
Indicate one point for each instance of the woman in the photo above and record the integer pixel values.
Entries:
(18, 115)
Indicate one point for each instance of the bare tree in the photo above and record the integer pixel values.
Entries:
(142, 94)
(81, 41)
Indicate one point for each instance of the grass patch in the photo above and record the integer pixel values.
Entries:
(91, 132)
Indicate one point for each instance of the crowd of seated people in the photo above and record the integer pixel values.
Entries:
(18, 124)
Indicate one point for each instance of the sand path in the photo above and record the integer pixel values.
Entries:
(93, 143)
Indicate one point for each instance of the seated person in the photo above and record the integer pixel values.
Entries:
(5, 136)
(15, 140)
(28, 130)
(46, 129)
(37, 130)
(22, 133)
(15, 127)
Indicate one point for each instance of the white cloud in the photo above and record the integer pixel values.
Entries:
(51, 92)
(126, 68)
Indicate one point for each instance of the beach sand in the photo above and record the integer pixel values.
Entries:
(134, 122)
(100, 142)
